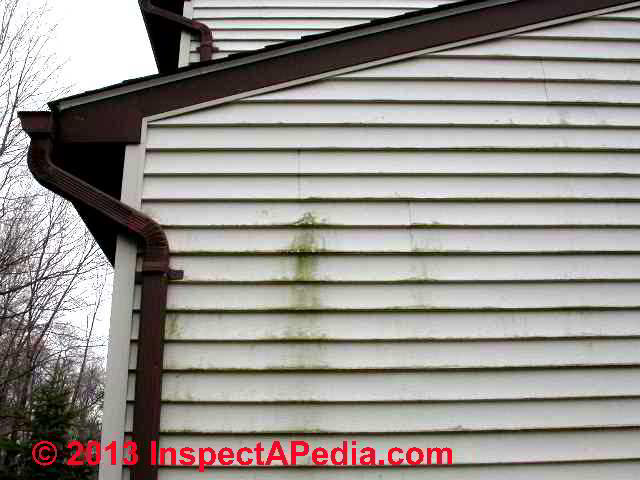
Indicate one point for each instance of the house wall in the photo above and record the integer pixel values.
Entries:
(240, 25)
(441, 251)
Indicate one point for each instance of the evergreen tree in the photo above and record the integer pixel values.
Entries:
(52, 421)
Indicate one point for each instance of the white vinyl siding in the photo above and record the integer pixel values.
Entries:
(253, 24)
(593, 471)
(240, 25)
(442, 251)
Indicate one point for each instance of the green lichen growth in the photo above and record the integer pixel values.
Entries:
(304, 356)
(307, 219)
(304, 327)
(304, 242)
(305, 265)
(305, 268)
(305, 297)
(172, 329)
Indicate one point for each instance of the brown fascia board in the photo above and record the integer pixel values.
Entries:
(165, 23)
(118, 118)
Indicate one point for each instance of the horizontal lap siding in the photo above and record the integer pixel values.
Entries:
(467, 91)
(594, 471)
(390, 162)
(406, 268)
(442, 250)
(252, 24)
(398, 418)
(429, 241)
(400, 355)
(425, 115)
(397, 213)
(528, 447)
(397, 326)
(383, 187)
(411, 296)
(426, 386)
(498, 448)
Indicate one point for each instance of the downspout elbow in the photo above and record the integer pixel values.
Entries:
(206, 47)
(39, 126)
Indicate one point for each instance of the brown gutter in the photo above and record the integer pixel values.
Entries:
(155, 273)
(206, 47)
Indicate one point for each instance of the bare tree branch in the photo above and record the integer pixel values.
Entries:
(52, 274)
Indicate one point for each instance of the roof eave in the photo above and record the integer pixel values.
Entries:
(297, 62)
(164, 35)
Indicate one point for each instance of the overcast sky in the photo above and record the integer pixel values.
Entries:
(104, 42)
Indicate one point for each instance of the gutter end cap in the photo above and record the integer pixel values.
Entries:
(36, 123)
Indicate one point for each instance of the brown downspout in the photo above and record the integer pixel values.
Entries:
(206, 47)
(155, 273)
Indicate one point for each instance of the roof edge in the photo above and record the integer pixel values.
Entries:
(281, 48)
(309, 59)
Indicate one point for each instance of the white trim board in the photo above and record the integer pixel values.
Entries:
(185, 38)
(115, 402)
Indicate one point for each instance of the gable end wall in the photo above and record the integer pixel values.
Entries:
(442, 251)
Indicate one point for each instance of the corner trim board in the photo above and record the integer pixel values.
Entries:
(114, 416)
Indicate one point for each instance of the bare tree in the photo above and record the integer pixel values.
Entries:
(29, 74)
(52, 273)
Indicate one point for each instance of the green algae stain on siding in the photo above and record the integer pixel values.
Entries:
(304, 242)
(307, 219)
(304, 327)
(172, 329)
(304, 297)
(305, 268)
